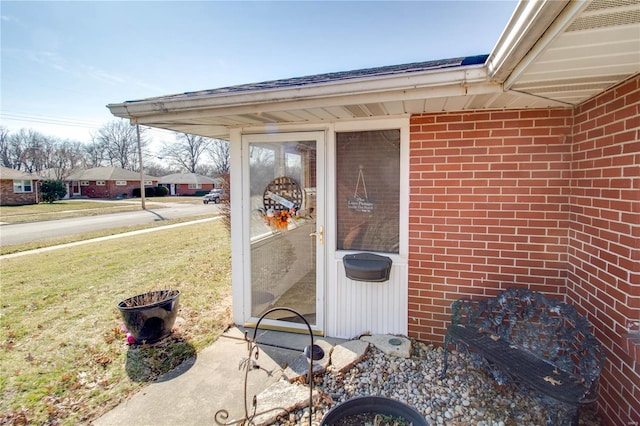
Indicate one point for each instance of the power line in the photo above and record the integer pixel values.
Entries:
(60, 121)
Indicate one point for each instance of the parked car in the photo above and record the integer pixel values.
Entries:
(216, 195)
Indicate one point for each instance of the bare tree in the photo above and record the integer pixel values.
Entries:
(153, 168)
(207, 169)
(219, 151)
(29, 150)
(119, 142)
(186, 152)
(34, 152)
(5, 148)
(67, 156)
(95, 153)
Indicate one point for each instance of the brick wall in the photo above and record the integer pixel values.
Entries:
(546, 199)
(9, 198)
(604, 237)
(489, 208)
(183, 189)
(109, 189)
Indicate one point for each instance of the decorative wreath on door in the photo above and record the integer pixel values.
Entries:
(282, 199)
(282, 193)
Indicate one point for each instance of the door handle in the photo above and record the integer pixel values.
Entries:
(320, 234)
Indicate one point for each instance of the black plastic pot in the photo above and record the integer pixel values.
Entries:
(373, 404)
(150, 316)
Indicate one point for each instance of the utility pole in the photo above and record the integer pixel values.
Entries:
(141, 169)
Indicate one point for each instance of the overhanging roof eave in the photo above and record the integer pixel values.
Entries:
(532, 25)
(464, 76)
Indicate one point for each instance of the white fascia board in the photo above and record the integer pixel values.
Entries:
(373, 87)
(527, 24)
(556, 29)
(326, 102)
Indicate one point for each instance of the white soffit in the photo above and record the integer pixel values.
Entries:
(582, 55)
(213, 113)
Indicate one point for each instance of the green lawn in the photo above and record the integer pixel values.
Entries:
(63, 353)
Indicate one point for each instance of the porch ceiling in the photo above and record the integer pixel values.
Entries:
(587, 48)
(217, 122)
(551, 54)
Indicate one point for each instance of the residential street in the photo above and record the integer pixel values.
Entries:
(24, 232)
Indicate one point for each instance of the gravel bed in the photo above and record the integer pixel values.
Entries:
(467, 396)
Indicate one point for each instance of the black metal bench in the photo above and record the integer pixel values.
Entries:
(538, 341)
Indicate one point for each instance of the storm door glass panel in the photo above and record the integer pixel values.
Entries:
(282, 181)
(368, 190)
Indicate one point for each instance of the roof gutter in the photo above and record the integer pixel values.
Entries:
(459, 76)
(526, 35)
(557, 28)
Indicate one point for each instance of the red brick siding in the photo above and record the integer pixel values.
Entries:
(10, 198)
(110, 189)
(183, 189)
(547, 199)
(604, 236)
(488, 208)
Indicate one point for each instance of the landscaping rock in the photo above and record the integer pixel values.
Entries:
(328, 349)
(391, 345)
(467, 396)
(298, 368)
(279, 399)
(347, 354)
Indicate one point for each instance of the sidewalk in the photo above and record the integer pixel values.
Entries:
(105, 238)
(195, 391)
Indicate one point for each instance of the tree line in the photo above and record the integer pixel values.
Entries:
(115, 144)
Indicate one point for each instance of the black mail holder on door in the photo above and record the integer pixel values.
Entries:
(367, 267)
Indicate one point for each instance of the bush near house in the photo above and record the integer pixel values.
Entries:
(53, 190)
(151, 191)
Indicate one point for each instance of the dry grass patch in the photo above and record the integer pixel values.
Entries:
(64, 355)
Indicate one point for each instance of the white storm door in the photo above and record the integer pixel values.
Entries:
(284, 220)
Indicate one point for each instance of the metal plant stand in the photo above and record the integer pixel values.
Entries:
(250, 413)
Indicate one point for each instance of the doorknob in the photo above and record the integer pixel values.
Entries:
(320, 234)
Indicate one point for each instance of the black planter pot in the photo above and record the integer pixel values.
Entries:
(373, 404)
(150, 316)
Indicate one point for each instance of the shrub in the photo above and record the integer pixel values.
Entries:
(148, 192)
(53, 190)
(162, 191)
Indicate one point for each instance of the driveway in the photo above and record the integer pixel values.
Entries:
(19, 233)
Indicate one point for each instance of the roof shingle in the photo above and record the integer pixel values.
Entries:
(332, 77)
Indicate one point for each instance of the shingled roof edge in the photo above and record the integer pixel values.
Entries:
(332, 77)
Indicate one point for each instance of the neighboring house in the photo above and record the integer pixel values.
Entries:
(188, 183)
(517, 168)
(106, 182)
(17, 187)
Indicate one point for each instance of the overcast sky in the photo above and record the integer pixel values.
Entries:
(63, 62)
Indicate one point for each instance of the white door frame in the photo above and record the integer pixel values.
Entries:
(343, 317)
(320, 138)
(330, 317)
